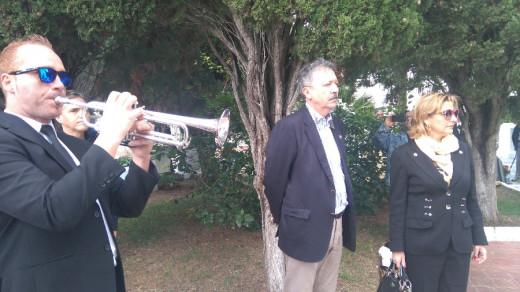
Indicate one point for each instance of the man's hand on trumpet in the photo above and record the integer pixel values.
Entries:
(119, 118)
(141, 147)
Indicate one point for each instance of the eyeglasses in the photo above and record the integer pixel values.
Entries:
(47, 75)
(448, 113)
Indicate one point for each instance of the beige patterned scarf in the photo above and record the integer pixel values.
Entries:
(439, 153)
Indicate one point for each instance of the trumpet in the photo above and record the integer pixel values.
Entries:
(178, 124)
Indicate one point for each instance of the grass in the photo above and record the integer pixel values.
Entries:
(508, 202)
(166, 250)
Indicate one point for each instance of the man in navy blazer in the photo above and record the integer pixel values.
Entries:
(55, 232)
(308, 187)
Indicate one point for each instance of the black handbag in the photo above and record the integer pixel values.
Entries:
(393, 279)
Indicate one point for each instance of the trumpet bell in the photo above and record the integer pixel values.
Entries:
(222, 128)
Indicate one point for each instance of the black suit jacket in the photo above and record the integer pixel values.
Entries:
(52, 236)
(300, 188)
(426, 214)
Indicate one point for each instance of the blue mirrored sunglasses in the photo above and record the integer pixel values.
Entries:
(47, 75)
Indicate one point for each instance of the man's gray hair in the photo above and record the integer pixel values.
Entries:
(305, 76)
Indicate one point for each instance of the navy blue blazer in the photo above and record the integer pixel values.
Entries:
(425, 213)
(52, 236)
(300, 188)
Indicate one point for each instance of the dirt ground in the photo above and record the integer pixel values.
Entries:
(171, 251)
(182, 255)
(191, 257)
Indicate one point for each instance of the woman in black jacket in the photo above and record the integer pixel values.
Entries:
(435, 221)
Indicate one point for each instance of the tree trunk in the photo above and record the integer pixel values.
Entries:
(484, 120)
(263, 77)
(274, 260)
(485, 174)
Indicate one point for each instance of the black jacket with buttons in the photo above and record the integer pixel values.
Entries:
(426, 214)
(52, 236)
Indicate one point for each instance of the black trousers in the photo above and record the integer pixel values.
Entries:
(444, 272)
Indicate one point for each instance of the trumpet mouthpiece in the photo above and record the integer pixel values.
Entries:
(61, 100)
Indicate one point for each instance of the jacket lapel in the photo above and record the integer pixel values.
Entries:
(457, 157)
(77, 146)
(20, 128)
(424, 163)
(340, 143)
(314, 138)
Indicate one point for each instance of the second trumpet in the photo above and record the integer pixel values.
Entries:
(178, 125)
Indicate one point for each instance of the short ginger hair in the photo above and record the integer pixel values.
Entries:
(8, 54)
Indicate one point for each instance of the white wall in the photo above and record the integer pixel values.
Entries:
(506, 150)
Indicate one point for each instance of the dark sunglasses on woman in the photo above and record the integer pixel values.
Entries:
(47, 75)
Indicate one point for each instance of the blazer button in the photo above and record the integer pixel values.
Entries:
(448, 207)
(333, 192)
(448, 194)
(107, 247)
(96, 214)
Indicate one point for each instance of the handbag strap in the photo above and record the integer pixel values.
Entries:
(404, 281)
(400, 274)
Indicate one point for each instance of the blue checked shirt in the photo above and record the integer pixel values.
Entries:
(333, 156)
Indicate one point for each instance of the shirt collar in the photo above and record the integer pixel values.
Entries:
(320, 121)
(37, 126)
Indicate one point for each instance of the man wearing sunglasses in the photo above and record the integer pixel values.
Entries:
(55, 197)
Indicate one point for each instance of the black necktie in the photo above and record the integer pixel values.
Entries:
(48, 131)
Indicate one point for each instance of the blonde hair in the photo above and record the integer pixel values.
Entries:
(428, 105)
(8, 54)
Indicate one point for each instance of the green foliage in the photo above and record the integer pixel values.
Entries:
(365, 164)
(81, 31)
(178, 158)
(124, 160)
(340, 29)
(263, 13)
(468, 44)
(225, 185)
(166, 75)
(358, 28)
(169, 180)
(512, 109)
(228, 197)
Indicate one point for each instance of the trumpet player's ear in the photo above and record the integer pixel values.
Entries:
(7, 83)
